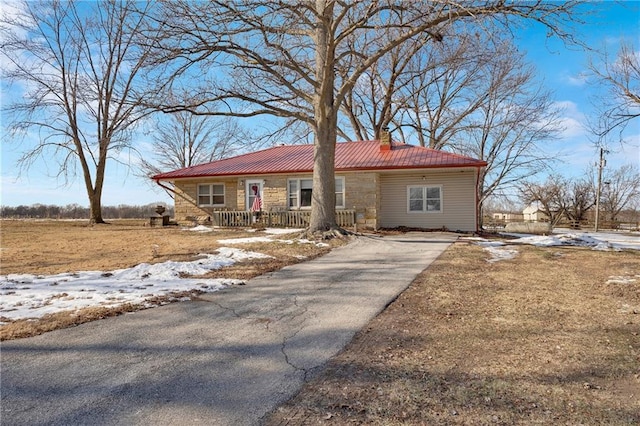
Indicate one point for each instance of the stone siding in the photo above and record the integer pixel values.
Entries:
(274, 193)
(362, 193)
(186, 200)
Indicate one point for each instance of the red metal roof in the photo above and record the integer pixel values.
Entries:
(350, 156)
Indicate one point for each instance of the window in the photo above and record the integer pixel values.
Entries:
(211, 195)
(300, 193)
(424, 199)
(340, 192)
(293, 193)
(306, 188)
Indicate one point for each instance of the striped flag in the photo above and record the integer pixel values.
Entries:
(257, 204)
(257, 201)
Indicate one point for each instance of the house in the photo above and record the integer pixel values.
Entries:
(508, 217)
(534, 213)
(379, 184)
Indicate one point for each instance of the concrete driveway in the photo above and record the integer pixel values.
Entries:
(227, 359)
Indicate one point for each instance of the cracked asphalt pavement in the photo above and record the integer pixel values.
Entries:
(227, 359)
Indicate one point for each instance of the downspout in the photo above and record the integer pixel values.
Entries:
(166, 188)
(173, 191)
(477, 209)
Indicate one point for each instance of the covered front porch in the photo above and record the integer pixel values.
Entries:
(283, 219)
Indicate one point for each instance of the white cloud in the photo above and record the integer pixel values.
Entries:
(13, 11)
(572, 119)
(13, 20)
(572, 127)
(569, 108)
(577, 80)
(620, 154)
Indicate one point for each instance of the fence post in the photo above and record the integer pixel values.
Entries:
(355, 222)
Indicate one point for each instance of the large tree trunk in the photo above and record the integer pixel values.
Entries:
(95, 209)
(323, 204)
(95, 192)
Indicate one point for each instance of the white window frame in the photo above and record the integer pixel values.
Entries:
(296, 196)
(424, 198)
(343, 193)
(211, 194)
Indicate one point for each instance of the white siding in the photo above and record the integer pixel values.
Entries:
(458, 200)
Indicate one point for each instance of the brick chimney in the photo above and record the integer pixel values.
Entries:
(385, 140)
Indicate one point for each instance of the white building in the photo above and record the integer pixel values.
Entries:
(534, 213)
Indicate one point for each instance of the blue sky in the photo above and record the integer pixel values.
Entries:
(562, 68)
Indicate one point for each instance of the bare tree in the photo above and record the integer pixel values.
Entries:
(472, 94)
(578, 197)
(548, 195)
(374, 102)
(301, 60)
(508, 126)
(80, 65)
(456, 78)
(620, 191)
(423, 92)
(559, 196)
(184, 140)
(620, 76)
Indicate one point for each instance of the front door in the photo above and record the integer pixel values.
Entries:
(254, 195)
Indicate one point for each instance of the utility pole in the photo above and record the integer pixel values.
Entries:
(601, 165)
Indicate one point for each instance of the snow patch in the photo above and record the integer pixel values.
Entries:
(596, 241)
(280, 231)
(624, 280)
(574, 240)
(199, 228)
(497, 249)
(33, 296)
(499, 253)
(249, 240)
(246, 240)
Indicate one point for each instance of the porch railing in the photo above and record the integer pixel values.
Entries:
(283, 219)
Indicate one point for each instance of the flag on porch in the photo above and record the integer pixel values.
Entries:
(257, 201)
(257, 204)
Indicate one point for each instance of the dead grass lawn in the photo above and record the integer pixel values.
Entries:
(51, 247)
(541, 339)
